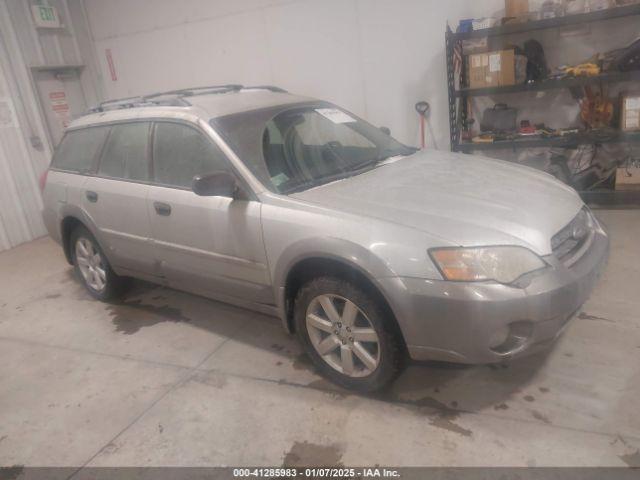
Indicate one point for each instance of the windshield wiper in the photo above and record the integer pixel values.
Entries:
(349, 172)
(315, 182)
(373, 161)
(301, 186)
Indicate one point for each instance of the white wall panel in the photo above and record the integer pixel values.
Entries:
(404, 61)
(229, 49)
(315, 50)
(146, 62)
(114, 18)
(374, 57)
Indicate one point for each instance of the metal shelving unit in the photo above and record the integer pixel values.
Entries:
(565, 21)
(552, 84)
(458, 96)
(567, 141)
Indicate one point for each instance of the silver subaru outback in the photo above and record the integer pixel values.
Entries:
(370, 251)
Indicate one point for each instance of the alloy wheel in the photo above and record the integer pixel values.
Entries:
(343, 335)
(91, 265)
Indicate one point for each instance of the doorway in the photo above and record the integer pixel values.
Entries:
(61, 98)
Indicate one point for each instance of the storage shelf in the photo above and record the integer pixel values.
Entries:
(458, 104)
(567, 141)
(567, 20)
(611, 198)
(551, 84)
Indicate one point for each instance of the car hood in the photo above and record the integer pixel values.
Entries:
(465, 199)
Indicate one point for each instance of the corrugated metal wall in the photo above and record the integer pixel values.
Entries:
(25, 146)
(20, 202)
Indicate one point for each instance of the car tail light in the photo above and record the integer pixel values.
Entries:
(43, 180)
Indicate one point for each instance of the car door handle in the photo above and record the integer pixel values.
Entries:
(163, 209)
(91, 196)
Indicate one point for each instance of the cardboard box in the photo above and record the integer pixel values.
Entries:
(477, 68)
(492, 69)
(516, 8)
(628, 178)
(630, 112)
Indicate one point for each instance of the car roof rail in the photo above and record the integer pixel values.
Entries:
(139, 101)
(189, 92)
(115, 103)
(175, 98)
(271, 88)
(209, 89)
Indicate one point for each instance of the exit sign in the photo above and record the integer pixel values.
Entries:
(45, 16)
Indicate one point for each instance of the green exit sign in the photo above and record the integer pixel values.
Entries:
(45, 16)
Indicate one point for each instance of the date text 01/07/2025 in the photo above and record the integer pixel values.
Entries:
(320, 472)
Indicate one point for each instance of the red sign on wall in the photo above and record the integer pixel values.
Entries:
(60, 107)
(112, 68)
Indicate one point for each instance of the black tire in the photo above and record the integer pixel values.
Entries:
(391, 354)
(114, 285)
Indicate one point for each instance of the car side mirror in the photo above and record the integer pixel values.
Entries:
(216, 184)
(385, 130)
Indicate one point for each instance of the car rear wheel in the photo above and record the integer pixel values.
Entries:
(92, 267)
(347, 334)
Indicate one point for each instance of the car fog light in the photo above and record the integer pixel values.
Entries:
(516, 338)
(499, 336)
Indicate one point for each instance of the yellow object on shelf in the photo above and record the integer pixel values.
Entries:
(485, 138)
(584, 69)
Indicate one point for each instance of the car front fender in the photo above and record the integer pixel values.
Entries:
(338, 250)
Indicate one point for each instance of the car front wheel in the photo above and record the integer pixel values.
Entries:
(347, 333)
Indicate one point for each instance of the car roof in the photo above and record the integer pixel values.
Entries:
(205, 102)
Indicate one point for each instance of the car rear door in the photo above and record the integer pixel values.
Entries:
(74, 159)
(208, 245)
(116, 197)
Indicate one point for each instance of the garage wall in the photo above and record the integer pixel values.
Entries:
(374, 57)
(20, 162)
(20, 203)
(26, 142)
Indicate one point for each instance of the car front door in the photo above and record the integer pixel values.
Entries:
(208, 245)
(116, 198)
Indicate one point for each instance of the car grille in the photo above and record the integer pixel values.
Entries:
(570, 243)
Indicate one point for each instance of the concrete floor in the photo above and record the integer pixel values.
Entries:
(167, 378)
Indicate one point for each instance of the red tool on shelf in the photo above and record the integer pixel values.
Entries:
(526, 128)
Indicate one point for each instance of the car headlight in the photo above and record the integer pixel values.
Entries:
(503, 264)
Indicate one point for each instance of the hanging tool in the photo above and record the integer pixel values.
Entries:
(423, 109)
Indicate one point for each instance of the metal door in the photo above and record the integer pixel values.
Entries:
(61, 98)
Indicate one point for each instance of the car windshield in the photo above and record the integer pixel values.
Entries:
(306, 146)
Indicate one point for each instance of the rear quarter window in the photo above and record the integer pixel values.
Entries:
(78, 149)
(125, 154)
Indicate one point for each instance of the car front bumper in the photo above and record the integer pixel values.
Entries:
(490, 322)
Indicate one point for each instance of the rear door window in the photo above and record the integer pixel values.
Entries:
(126, 153)
(78, 149)
(181, 152)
